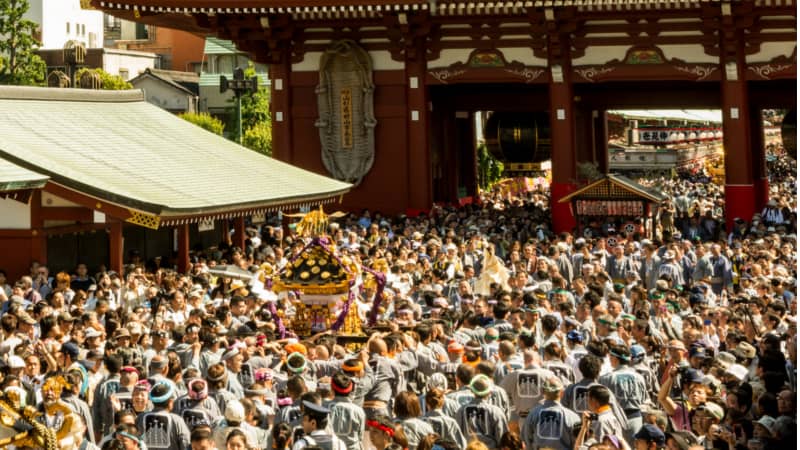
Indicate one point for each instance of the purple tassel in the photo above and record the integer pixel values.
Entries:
(278, 322)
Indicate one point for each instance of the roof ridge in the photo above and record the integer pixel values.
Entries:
(70, 94)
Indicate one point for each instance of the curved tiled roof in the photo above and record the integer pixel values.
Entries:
(115, 146)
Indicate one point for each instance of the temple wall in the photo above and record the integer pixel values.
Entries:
(391, 162)
(16, 215)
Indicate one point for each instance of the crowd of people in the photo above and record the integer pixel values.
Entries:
(492, 333)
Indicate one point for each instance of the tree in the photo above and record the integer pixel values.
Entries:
(205, 121)
(256, 118)
(259, 138)
(490, 170)
(108, 81)
(19, 63)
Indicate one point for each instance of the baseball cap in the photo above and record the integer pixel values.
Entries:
(575, 336)
(766, 422)
(651, 433)
(737, 370)
(69, 348)
(16, 362)
(92, 333)
(744, 350)
(712, 409)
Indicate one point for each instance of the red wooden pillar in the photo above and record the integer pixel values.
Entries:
(419, 167)
(38, 238)
(760, 180)
(280, 98)
(183, 248)
(238, 233)
(562, 125)
(739, 188)
(115, 247)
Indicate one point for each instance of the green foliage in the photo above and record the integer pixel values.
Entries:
(490, 170)
(259, 138)
(19, 64)
(255, 107)
(256, 118)
(588, 172)
(108, 82)
(205, 121)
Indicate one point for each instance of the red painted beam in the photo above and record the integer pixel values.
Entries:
(75, 213)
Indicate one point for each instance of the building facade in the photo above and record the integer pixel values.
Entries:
(428, 65)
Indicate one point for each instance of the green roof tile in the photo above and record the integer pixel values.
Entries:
(116, 146)
(216, 46)
(15, 178)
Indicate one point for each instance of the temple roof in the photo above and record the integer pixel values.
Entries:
(354, 6)
(15, 178)
(615, 187)
(114, 146)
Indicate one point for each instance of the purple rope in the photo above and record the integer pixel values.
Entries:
(278, 322)
(351, 296)
(380, 281)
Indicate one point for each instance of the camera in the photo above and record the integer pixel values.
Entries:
(592, 416)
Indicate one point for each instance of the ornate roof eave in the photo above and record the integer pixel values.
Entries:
(155, 221)
(618, 182)
(310, 9)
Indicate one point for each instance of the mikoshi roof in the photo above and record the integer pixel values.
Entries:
(114, 146)
(614, 187)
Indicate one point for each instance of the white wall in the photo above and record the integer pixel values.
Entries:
(14, 215)
(163, 96)
(85, 26)
(132, 63)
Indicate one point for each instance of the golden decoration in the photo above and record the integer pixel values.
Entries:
(315, 270)
(325, 275)
(304, 275)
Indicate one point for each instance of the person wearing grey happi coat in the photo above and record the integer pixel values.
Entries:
(455, 400)
(297, 364)
(388, 380)
(407, 412)
(575, 397)
(550, 424)
(618, 264)
(102, 414)
(628, 386)
(499, 397)
(462, 394)
(671, 269)
(444, 425)
(346, 419)
(161, 429)
(195, 406)
(648, 267)
(524, 387)
(509, 362)
(488, 422)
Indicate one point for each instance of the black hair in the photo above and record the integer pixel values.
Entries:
(600, 394)
(590, 366)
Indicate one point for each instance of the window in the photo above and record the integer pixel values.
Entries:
(124, 73)
(83, 30)
(67, 27)
(141, 31)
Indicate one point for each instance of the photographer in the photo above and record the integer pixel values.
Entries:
(600, 419)
(693, 393)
